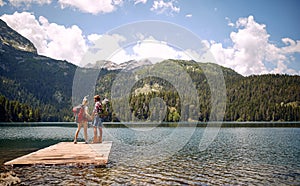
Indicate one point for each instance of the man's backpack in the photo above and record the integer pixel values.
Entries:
(79, 113)
(104, 111)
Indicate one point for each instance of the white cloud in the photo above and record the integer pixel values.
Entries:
(18, 3)
(94, 37)
(229, 22)
(92, 6)
(140, 1)
(69, 43)
(50, 39)
(147, 49)
(292, 46)
(252, 50)
(188, 15)
(109, 47)
(103, 48)
(2, 3)
(164, 7)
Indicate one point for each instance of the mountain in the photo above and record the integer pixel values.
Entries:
(41, 84)
(270, 97)
(38, 88)
(12, 38)
(103, 64)
(109, 65)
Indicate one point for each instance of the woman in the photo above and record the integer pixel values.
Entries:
(82, 120)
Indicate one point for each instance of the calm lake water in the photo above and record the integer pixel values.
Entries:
(163, 156)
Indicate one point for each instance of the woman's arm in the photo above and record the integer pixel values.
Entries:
(87, 113)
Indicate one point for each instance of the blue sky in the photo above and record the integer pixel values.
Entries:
(251, 37)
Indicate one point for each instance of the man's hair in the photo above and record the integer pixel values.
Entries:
(97, 97)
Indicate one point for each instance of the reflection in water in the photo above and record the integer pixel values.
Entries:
(238, 156)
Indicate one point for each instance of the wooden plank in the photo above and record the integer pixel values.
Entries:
(67, 153)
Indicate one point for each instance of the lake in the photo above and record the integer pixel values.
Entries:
(164, 156)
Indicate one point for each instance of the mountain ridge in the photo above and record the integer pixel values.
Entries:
(10, 37)
(109, 65)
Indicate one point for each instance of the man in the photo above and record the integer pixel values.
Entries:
(97, 121)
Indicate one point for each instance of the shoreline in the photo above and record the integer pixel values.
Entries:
(225, 124)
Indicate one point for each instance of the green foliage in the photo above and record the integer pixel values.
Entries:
(264, 98)
(253, 98)
(16, 111)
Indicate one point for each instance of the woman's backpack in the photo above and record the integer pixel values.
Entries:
(79, 113)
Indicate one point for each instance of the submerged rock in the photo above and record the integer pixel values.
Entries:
(9, 178)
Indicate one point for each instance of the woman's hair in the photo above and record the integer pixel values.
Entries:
(84, 101)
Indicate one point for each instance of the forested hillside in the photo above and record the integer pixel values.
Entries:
(253, 98)
(29, 81)
(38, 88)
(264, 98)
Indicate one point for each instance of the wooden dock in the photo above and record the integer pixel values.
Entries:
(67, 153)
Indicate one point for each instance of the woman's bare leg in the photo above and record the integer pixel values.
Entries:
(77, 132)
(85, 132)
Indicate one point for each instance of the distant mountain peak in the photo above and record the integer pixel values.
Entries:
(109, 65)
(10, 37)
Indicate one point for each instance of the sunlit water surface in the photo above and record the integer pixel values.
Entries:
(237, 156)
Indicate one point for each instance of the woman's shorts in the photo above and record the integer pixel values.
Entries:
(97, 121)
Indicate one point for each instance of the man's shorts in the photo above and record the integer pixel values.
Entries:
(97, 121)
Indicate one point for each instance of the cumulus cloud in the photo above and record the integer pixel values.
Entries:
(102, 48)
(91, 6)
(164, 7)
(188, 15)
(147, 49)
(69, 43)
(93, 38)
(252, 51)
(109, 47)
(50, 39)
(291, 45)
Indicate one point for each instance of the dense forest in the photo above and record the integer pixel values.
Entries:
(254, 98)
(264, 98)
(17, 112)
(38, 88)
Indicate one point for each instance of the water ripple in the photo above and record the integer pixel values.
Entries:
(238, 156)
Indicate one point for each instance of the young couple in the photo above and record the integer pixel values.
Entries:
(97, 121)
